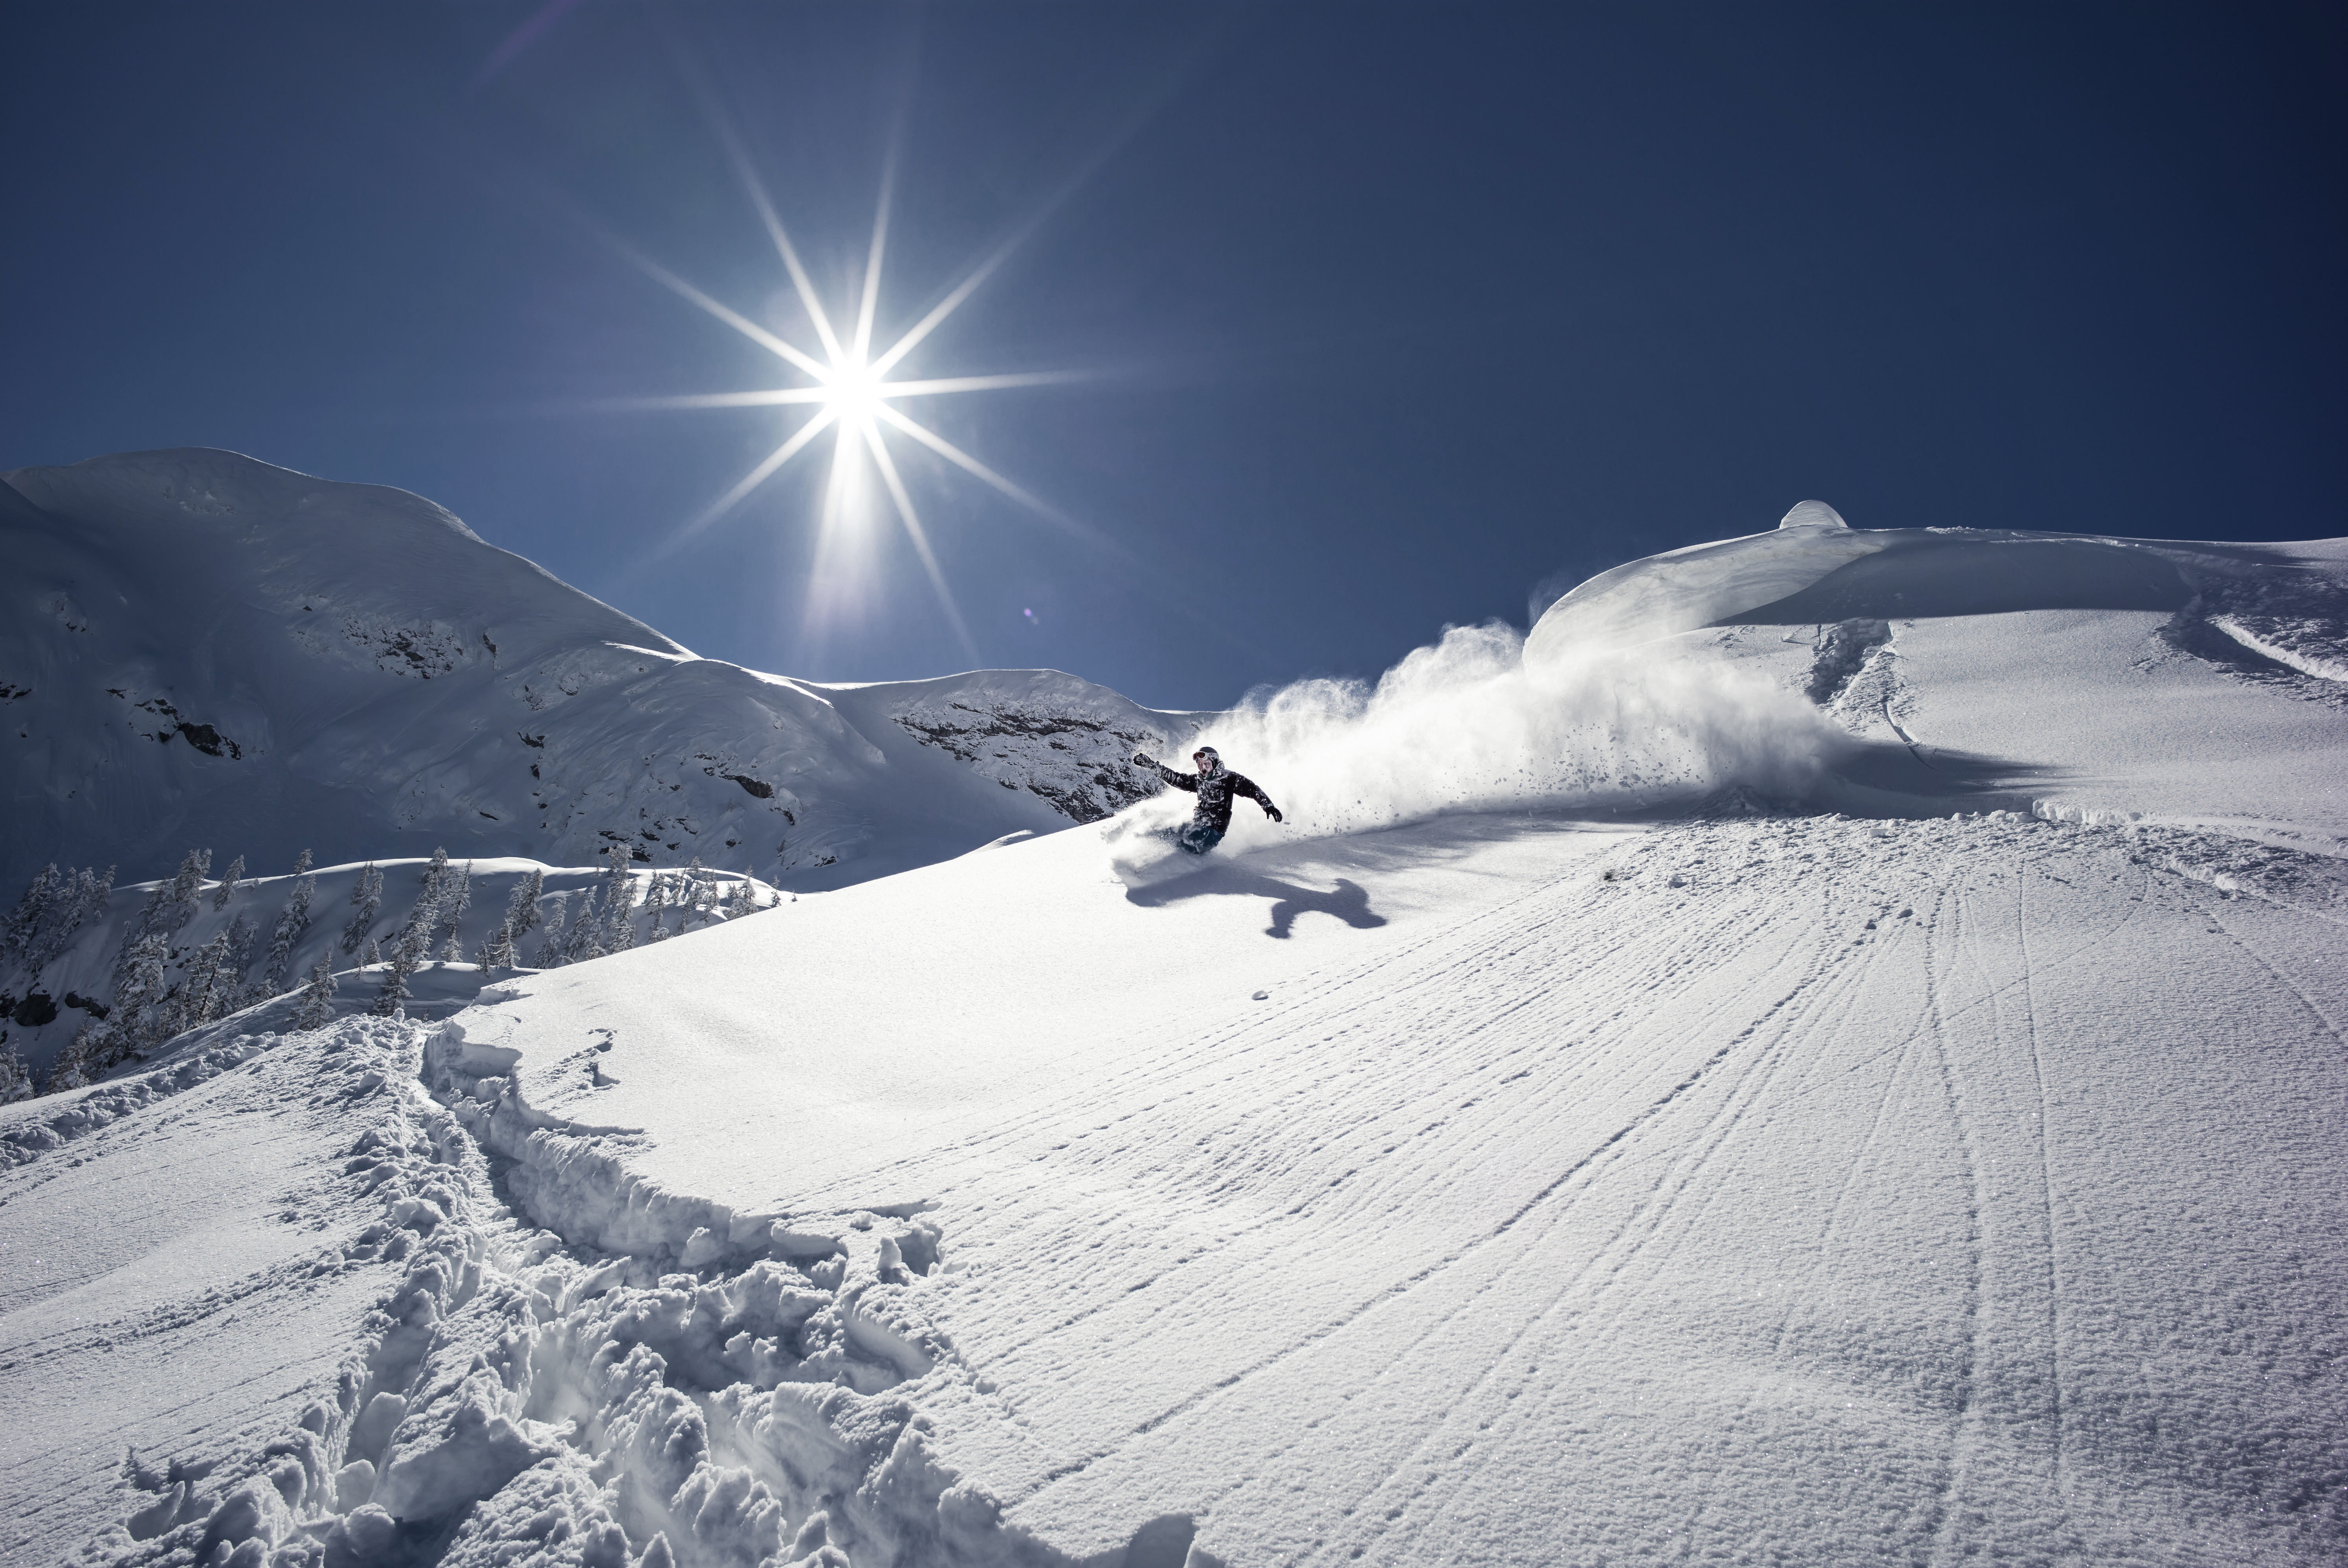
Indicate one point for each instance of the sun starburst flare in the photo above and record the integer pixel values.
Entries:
(852, 392)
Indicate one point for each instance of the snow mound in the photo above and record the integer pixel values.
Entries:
(1812, 514)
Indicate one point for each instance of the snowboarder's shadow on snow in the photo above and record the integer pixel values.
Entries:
(1349, 901)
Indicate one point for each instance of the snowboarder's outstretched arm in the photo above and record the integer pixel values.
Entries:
(1242, 785)
(1180, 781)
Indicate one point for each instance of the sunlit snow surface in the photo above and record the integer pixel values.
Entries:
(1822, 1178)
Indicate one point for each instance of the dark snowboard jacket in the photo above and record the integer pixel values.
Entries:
(1214, 791)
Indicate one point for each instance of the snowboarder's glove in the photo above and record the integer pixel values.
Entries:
(1273, 811)
(1144, 760)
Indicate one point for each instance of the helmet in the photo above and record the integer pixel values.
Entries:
(1208, 758)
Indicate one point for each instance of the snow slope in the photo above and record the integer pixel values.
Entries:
(1800, 1082)
(201, 649)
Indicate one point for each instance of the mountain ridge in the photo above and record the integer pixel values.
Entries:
(207, 649)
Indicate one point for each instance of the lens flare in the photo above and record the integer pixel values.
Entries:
(848, 391)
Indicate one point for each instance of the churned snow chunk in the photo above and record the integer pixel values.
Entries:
(1807, 514)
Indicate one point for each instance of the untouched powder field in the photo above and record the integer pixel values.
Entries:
(1920, 1143)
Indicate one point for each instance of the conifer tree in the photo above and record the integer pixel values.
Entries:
(619, 915)
(15, 1078)
(200, 998)
(395, 985)
(149, 922)
(367, 893)
(586, 932)
(374, 953)
(186, 894)
(235, 994)
(85, 1060)
(521, 914)
(456, 897)
(414, 944)
(228, 883)
(70, 908)
(140, 1015)
(24, 924)
(291, 921)
(550, 949)
(316, 1008)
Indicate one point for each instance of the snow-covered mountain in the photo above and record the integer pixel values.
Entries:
(1830, 1051)
(200, 650)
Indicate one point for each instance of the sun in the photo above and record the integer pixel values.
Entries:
(849, 392)
(853, 393)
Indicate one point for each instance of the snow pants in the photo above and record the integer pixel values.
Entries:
(1196, 836)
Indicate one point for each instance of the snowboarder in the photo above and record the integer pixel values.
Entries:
(1214, 785)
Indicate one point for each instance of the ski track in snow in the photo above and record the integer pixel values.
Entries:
(1498, 1173)
(1673, 1099)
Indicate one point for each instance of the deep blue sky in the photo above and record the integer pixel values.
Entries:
(1401, 310)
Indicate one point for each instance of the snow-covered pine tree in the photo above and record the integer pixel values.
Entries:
(395, 987)
(77, 897)
(149, 922)
(521, 914)
(228, 883)
(367, 893)
(413, 949)
(237, 996)
(291, 921)
(620, 914)
(15, 1078)
(86, 1058)
(187, 887)
(414, 943)
(69, 908)
(452, 953)
(23, 923)
(316, 1008)
(374, 953)
(549, 954)
(586, 932)
(141, 1013)
(208, 977)
(456, 897)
